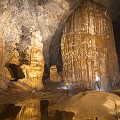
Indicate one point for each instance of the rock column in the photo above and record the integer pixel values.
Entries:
(88, 46)
(34, 71)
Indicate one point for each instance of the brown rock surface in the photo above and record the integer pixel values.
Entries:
(34, 71)
(18, 17)
(102, 105)
(54, 76)
(88, 46)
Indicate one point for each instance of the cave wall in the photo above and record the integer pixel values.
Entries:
(3, 78)
(88, 46)
(18, 17)
(34, 71)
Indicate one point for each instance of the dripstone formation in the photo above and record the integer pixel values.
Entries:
(88, 46)
(34, 71)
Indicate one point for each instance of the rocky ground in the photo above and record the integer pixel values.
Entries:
(87, 105)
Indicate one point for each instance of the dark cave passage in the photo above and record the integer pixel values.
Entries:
(15, 71)
(116, 31)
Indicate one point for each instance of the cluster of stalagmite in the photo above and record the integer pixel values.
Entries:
(54, 76)
(34, 71)
(88, 46)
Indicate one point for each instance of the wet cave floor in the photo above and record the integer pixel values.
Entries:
(11, 104)
(38, 105)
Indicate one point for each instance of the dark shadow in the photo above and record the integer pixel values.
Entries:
(55, 45)
(63, 115)
(9, 112)
(116, 30)
(15, 71)
(54, 57)
(44, 109)
(55, 48)
(46, 74)
(42, 2)
(59, 115)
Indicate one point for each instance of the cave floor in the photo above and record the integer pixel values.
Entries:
(49, 92)
(53, 92)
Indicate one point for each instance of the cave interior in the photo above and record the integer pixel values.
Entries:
(59, 50)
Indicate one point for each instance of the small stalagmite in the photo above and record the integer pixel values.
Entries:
(54, 76)
(88, 46)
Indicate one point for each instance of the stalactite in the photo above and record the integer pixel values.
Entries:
(88, 46)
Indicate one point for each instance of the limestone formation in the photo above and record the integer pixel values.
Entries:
(17, 17)
(88, 46)
(54, 76)
(3, 78)
(34, 71)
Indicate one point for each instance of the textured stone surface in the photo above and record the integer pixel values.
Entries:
(18, 17)
(88, 46)
(54, 76)
(17, 21)
(34, 71)
(103, 105)
(3, 78)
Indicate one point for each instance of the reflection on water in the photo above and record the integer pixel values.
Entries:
(9, 112)
(30, 110)
(33, 109)
(59, 115)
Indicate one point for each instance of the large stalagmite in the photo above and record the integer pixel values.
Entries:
(34, 71)
(88, 46)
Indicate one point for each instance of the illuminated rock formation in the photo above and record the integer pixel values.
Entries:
(30, 110)
(3, 78)
(34, 71)
(88, 46)
(54, 76)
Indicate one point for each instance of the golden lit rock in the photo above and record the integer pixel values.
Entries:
(8, 75)
(11, 54)
(88, 46)
(3, 78)
(54, 76)
(34, 71)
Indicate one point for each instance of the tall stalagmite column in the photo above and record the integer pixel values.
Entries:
(34, 71)
(88, 46)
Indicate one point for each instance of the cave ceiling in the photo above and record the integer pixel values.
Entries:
(46, 16)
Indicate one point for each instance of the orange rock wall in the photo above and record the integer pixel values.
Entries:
(88, 46)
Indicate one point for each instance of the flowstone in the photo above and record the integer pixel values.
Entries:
(88, 46)
(54, 76)
(34, 71)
